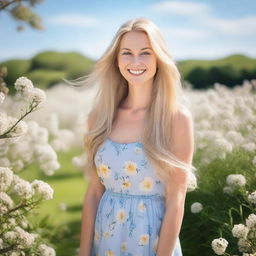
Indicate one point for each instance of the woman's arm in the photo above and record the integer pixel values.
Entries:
(90, 206)
(182, 148)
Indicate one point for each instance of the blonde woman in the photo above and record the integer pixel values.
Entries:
(139, 147)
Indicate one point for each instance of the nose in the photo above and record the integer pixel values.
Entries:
(136, 60)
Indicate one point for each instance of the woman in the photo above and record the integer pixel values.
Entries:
(139, 149)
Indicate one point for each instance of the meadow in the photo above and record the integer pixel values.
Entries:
(225, 155)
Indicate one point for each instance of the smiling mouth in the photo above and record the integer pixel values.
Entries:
(136, 72)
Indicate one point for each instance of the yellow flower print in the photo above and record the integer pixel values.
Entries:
(106, 234)
(144, 239)
(130, 167)
(96, 235)
(155, 244)
(126, 184)
(141, 206)
(104, 171)
(124, 246)
(110, 253)
(147, 184)
(121, 216)
(137, 150)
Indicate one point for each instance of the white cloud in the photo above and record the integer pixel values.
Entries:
(75, 20)
(184, 33)
(183, 8)
(241, 26)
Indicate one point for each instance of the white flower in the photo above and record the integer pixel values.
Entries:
(223, 144)
(49, 167)
(228, 190)
(46, 250)
(10, 236)
(144, 239)
(4, 162)
(25, 239)
(20, 129)
(36, 95)
(23, 189)
(121, 216)
(63, 206)
(251, 220)
(45, 153)
(104, 171)
(254, 161)
(240, 231)
(42, 189)
(2, 97)
(17, 165)
(235, 137)
(236, 180)
(252, 197)
(250, 146)
(6, 203)
(219, 245)
(130, 167)
(243, 245)
(6, 177)
(124, 246)
(3, 123)
(23, 84)
(196, 207)
(78, 161)
(146, 185)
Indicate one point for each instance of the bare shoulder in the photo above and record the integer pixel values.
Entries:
(183, 116)
(182, 122)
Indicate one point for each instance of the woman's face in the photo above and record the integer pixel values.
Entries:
(136, 59)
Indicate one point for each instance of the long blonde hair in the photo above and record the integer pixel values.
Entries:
(166, 101)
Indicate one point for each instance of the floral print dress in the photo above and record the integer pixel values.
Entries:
(131, 210)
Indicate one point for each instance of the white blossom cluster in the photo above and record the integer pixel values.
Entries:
(246, 235)
(28, 92)
(31, 147)
(10, 182)
(12, 229)
(46, 250)
(196, 207)
(219, 245)
(225, 119)
(233, 181)
(252, 197)
(27, 142)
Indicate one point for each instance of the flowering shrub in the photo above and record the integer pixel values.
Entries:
(225, 145)
(22, 142)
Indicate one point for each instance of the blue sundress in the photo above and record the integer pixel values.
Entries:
(131, 209)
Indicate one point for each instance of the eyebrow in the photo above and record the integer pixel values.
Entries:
(141, 48)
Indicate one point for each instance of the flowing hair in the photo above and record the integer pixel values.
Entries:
(113, 89)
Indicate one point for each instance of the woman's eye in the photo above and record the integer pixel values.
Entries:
(126, 53)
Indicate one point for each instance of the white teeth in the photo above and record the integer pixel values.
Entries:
(136, 72)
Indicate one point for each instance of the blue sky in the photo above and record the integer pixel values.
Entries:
(198, 29)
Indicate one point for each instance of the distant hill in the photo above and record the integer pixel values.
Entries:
(231, 70)
(237, 61)
(49, 67)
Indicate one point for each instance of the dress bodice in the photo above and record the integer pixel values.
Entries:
(125, 168)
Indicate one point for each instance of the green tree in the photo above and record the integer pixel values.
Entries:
(21, 10)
